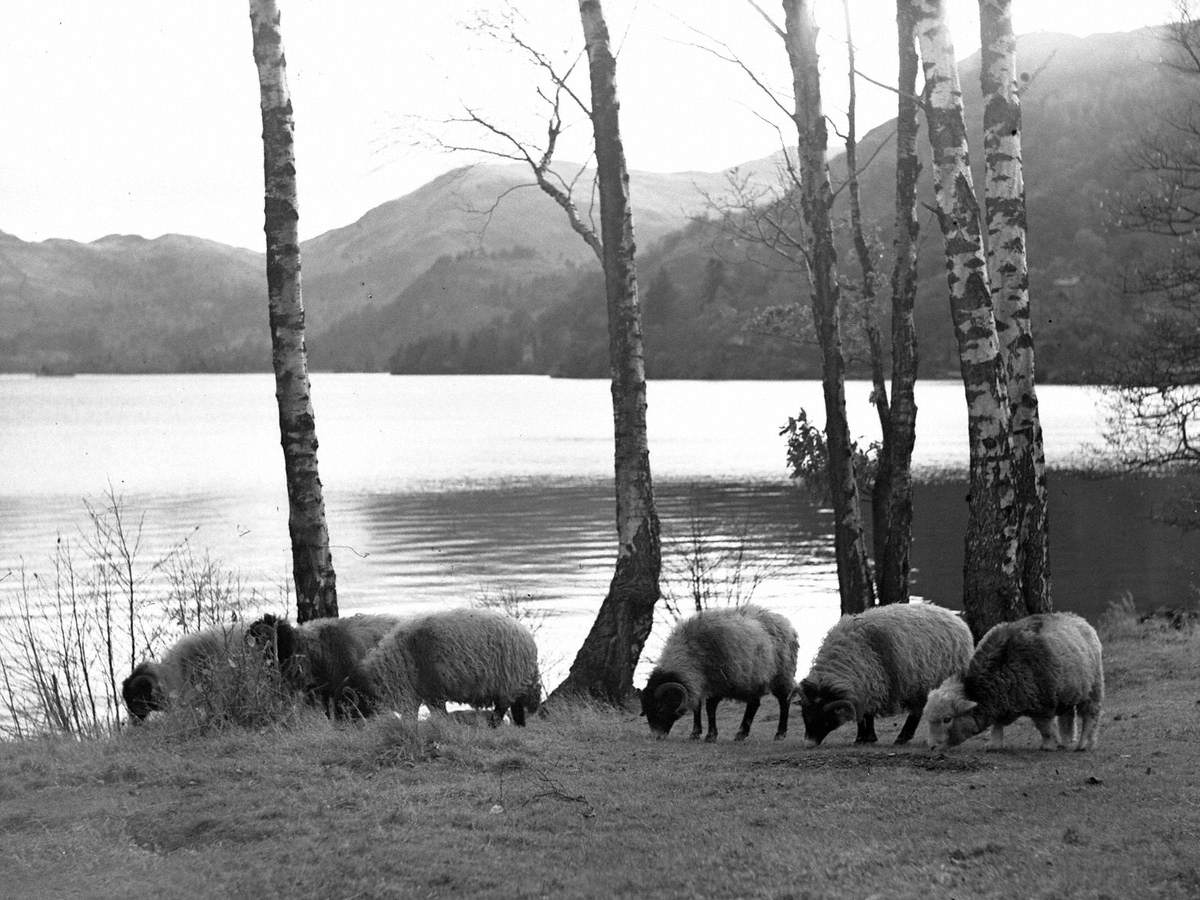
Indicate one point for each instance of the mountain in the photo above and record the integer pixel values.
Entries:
(1086, 104)
(448, 279)
(125, 303)
(373, 277)
(129, 304)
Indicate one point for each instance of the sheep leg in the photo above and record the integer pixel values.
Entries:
(518, 713)
(1048, 728)
(1066, 728)
(710, 706)
(784, 697)
(496, 719)
(996, 738)
(866, 730)
(748, 718)
(1089, 723)
(696, 729)
(910, 727)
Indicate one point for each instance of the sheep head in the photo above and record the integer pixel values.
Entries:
(951, 716)
(142, 691)
(663, 703)
(823, 709)
(274, 636)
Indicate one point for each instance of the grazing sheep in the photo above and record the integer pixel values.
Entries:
(320, 657)
(188, 664)
(475, 656)
(737, 653)
(878, 663)
(1041, 666)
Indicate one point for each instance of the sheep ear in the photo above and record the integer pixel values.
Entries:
(966, 706)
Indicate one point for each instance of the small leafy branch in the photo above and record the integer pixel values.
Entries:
(808, 457)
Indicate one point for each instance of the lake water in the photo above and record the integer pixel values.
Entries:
(443, 489)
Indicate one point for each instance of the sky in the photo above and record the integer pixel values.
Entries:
(142, 117)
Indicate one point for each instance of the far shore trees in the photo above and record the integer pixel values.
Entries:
(312, 563)
(1154, 419)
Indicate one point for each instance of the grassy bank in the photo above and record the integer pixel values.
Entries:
(585, 804)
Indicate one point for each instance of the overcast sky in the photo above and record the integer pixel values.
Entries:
(141, 117)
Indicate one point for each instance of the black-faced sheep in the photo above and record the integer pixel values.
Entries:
(878, 663)
(188, 664)
(737, 653)
(475, 656)
(321, 656)
(1042, 666)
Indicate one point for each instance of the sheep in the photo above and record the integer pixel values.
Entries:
(469, 655)
(320, 656)
(1041, 666)
(878, 663)
(188, 664)
(737, 653)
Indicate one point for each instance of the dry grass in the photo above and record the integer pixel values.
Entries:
(585, 804)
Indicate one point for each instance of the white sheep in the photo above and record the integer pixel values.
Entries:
(737, 653)
(475, 656)
(878, 663)
(188, 664)
(1043, 666)
(320, 656)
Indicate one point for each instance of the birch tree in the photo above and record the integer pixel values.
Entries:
(800, 38)
(604, 664)
(892, 557)
(1008, 269)
(991, 577)
(312, 563)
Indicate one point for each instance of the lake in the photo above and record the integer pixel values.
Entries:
(440, 490)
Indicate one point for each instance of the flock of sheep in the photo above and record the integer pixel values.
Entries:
(914, 658)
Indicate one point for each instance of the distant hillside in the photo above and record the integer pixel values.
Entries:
(1086, 103)
(125, 303)
(357, 279)
(447, 279)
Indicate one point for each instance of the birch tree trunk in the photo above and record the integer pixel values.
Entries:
(881, 491)
(1004, 206)
(312, 564)
(892, 565)
(604, 665)
(991, 581)
(800, 37)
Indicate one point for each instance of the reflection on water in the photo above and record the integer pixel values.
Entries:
(445, 489)
(555, 546)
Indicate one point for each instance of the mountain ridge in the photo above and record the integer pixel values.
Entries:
(421, 267)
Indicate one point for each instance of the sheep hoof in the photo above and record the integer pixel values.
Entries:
(780, 735)
(694, 736)
(710, 738)
(741, 735)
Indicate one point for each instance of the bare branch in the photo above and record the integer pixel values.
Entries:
(771, 22)
(729, 56)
